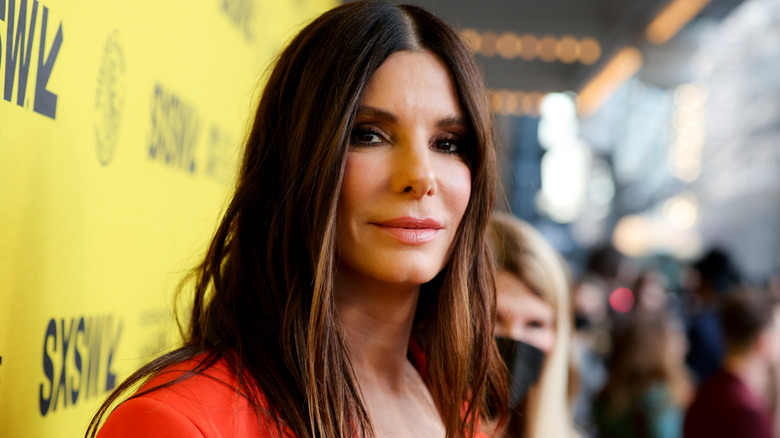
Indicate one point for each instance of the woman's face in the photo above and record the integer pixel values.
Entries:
(406, 183)
(521, 315)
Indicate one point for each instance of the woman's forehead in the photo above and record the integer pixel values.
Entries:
(412, 77)
(513, 293)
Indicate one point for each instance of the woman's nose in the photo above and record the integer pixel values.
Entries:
(414, 173)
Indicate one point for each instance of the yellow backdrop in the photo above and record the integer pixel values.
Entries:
(120, 129)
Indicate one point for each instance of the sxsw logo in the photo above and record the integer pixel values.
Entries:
(78, 360)
(27, 28)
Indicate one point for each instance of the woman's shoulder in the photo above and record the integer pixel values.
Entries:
(196, 398)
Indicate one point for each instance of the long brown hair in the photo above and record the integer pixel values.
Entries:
(643, 355)
(263, 297)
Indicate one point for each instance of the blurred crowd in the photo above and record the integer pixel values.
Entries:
(656, 347)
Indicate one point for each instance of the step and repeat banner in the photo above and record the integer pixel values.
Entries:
(121, 126)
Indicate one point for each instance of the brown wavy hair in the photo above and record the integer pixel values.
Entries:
(264, 294)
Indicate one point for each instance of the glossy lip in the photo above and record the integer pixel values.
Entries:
(411, 230)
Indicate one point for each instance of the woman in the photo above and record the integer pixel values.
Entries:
(533, 324)
(347, 290)
(648, 388)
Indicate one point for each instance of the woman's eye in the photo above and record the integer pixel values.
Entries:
(365, 137)
(449, 145)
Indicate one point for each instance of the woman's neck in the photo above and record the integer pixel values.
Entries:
(376, 320)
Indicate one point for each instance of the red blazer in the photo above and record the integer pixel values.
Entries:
(204, 405)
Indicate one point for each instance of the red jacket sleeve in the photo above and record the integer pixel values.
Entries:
(143, 417)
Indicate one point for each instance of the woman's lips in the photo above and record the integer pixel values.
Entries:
(411, 230)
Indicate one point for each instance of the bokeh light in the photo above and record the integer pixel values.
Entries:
(622, 300)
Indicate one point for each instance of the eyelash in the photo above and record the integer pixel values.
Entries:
(454, 141)
(451, 139)
(362, 131)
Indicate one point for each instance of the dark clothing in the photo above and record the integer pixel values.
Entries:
(725, 408)
(706, 344)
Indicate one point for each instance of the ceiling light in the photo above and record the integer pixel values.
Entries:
(528, 47)
(590, 51)
(568, 49)
(489, 41)
(620, 68)
(672, 18)
(547, 48)
(508, 45)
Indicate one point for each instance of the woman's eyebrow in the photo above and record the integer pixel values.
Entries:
(451, 121)
(374, 112)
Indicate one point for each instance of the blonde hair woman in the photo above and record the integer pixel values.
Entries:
(533, 309)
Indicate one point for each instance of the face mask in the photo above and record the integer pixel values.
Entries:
(581, 321)
(524, 363)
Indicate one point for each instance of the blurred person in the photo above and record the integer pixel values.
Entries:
(533, 329)
(348, 290)
(651, 293)
(590, 346)
(772, 285)
(717, 276)
(734, 401)
(610, 266)
(590, 301)
(649, 297)
(648, 386)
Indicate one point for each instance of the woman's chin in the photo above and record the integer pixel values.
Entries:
(412, 275)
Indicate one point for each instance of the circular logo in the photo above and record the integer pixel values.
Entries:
(109, 99)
